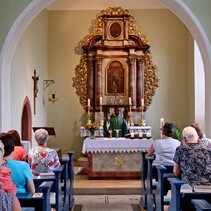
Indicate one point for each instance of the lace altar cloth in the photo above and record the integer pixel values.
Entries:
(115, 145)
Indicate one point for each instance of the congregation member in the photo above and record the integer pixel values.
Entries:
(21, 172)
(202, 137)
(41, 158)
(192, 160)
(19, 151)
(164, 148)
(8, 201)
(117, 123)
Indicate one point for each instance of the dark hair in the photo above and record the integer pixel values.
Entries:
(9, 144)
(168, 129)
(16, 137)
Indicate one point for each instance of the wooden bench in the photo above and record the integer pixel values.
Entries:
(56, 187)
(38, 201)
(156, 198)
(201, 205)
(71, 178)
(65, 182)
(143, 199)
(164, 171)
(150, 185)
(181, 197)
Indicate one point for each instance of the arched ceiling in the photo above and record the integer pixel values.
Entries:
(102, 4)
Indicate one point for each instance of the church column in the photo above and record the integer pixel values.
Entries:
(132, 81)
(140, 81)
(98, 81)
(91, 87)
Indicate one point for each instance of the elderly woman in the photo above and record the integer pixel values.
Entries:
(8, 201)
(42, 159)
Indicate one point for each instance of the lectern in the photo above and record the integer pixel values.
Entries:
(51, 130)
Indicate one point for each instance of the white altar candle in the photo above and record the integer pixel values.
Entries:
(161, 122)
(142, 101)
(132, 135)
(88, 103)
(130, 103)
(101, 100)
(148, 135)
(140, 135)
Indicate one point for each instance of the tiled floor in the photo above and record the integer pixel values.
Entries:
(105, 192)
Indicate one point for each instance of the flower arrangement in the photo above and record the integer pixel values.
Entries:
(92, 127)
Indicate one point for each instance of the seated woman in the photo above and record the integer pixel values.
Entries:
(42, 159)
(8, 201)
(19, 151)
(21, 172)
(202, 137)
(192, 160)
(164, 148)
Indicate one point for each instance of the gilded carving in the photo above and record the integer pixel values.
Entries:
(80, 81)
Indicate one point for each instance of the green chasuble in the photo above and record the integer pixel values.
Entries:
(117, 122)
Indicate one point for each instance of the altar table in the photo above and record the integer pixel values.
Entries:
(115, 157)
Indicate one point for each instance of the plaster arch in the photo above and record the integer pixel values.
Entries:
(178, 7)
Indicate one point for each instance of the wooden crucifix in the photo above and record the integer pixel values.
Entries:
(35, 79)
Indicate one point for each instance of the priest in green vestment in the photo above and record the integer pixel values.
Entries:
(117, 122)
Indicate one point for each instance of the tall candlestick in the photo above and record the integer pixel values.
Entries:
(130, 103)
(101, 100)
(142, 102)
(88, 103)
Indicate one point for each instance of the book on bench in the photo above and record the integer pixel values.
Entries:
(47, 174)
(202, 188)
(185, 188)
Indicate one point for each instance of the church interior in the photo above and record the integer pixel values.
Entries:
(67, 64)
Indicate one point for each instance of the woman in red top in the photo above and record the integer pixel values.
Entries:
(19, 151)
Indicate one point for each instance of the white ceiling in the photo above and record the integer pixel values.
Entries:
(103, 4)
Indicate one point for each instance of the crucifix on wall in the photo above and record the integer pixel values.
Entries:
(35, 89)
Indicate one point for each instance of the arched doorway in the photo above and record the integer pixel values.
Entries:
(26, 121)
(179, 8)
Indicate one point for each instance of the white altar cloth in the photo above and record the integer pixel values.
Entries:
(115, 145)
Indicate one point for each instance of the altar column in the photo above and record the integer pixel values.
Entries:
(132, 81)
(98, 80)
(140, 81)
(91, 80)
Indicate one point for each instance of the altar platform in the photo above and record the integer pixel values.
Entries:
(114, 157)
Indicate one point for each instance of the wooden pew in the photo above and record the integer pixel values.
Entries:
(143, 199)
(201, 205)
(164, 171)
(150, 185)
(64, 181)
(181, 197)
(156, 198)
(56, 188)
(36, 201)
(71, 178)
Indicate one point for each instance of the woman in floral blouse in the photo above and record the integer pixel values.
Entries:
(42, 159)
